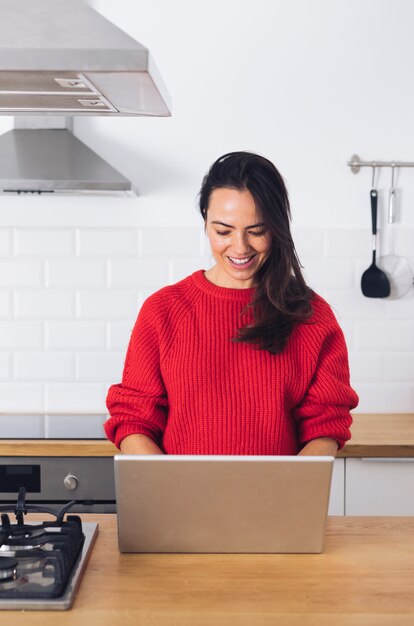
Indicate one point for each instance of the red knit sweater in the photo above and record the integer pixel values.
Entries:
(194, 391)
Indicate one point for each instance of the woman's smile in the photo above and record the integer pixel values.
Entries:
(242, 263)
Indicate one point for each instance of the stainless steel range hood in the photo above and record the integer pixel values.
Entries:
(62, 58)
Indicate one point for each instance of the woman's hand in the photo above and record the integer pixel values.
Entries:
(323, 446)
(139, 444)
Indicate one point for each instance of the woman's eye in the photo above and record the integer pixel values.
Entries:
(222, 233)
(259, 233)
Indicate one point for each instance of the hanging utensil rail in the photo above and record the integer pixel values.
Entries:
(355, 163)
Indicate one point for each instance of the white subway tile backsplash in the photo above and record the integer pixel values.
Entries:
(348, 243)
(182, 267)
(45, 304)
(44, 366)
(384, 336)
(119, 334)
(107, 304)
(108, 242)
(5, 242)
(328, 273)
(138, 273)
(353, 304)
(170, 242)
(75, 397)
(39, 242)
(366, 366)
(403, 239)
(99, 366)
(5, 365)
(18, 397)
(309, 243)
(75, 273)
(76, 426)
(21, 427)
(16, 334)
(385, 398)
(17, 273)
(400, 309)
(5, 303)
(399, 367)
(76, 335)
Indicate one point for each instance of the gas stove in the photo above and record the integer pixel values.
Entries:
(41, 563)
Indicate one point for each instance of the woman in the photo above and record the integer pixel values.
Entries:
(243, 358)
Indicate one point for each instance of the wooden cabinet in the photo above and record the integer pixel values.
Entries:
(379, 486)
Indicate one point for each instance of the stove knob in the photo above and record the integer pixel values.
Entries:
(71, 482)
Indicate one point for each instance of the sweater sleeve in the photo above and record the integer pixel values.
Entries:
(325, 408)
(138, 405)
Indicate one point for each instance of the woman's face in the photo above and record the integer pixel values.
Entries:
(238, 239)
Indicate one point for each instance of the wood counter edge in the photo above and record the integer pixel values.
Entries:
(57, 447)
(373, 435)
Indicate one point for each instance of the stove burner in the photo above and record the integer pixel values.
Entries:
(8, 568)
(36, 560)
(24, 538)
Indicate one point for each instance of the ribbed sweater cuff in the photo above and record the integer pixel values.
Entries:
(124, 430)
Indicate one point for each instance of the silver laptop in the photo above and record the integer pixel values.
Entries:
(235, 504)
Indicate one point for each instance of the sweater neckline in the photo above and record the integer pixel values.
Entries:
(227, 293)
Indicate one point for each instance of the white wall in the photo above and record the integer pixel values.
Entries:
(307, 84)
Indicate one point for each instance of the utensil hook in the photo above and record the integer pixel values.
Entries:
(391, 202)
(373, 174)
(393, 166)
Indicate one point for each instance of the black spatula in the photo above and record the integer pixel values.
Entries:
(374, 282)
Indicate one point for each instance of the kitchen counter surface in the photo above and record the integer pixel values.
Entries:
(57, 447)
(381, 435)
(364, 577)
(373, 435)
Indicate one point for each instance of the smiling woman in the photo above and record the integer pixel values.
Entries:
(244, 358)
(247, 192)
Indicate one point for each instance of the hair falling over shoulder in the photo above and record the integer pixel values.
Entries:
(282, 298)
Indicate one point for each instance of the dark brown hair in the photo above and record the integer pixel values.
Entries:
(282, 298)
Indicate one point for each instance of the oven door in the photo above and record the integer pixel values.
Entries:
(57, 480)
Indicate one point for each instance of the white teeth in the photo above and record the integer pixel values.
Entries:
(240, 261)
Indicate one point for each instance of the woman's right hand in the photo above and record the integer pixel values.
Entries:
(139, 444)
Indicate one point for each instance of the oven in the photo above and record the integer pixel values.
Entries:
(89, 481)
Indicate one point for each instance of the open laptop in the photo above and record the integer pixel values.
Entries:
(233, 504)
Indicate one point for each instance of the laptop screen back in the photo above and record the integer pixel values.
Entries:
(233, 504)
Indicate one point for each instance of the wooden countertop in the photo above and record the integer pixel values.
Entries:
(381, 435)
(373, 435)
(57, 447)
(365, 577)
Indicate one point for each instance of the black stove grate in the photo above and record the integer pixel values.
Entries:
(36, 560)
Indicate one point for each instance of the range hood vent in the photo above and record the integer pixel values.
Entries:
(63, 57)
(53, 160)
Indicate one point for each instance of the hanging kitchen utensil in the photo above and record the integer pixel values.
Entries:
(397, 269)
(374, 282)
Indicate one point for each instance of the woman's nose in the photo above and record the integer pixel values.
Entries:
(240, 243)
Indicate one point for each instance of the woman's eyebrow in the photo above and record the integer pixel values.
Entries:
(222, 224)
(230, 226)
